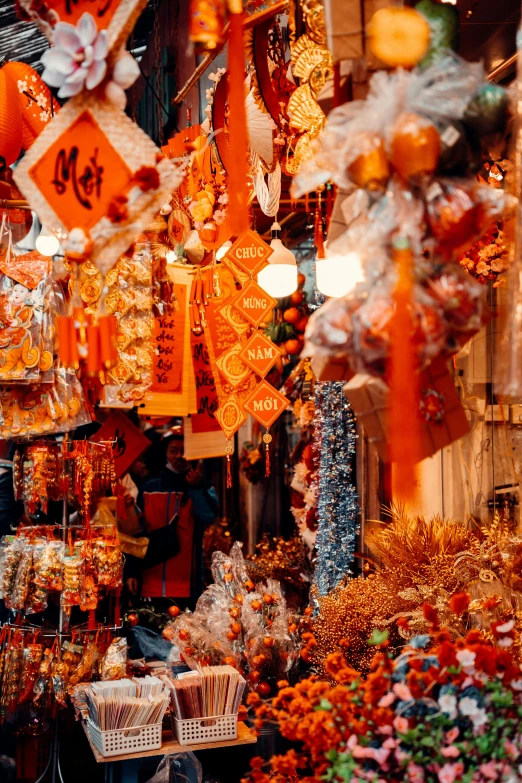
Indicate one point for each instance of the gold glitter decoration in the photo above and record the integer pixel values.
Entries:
(415, 561)
(313, 64)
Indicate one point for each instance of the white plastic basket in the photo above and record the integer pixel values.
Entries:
(120, 741)
(197, 730)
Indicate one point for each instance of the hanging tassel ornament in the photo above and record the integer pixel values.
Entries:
(229, 450)
(404, 379)
(318, 228)
(267, 440)
(237, 125)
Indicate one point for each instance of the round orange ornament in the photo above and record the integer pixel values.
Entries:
(236, 628)
(183, 635)
(292, 315)
(292, 346)
(400, 37)
(370, 168)
(174, 611)
(268, 641)
(263, 688)
(415, 146)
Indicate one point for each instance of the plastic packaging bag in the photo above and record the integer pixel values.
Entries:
(178, 768)
(440, 92)
(113, 665)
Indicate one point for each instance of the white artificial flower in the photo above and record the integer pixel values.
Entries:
(468, 707)
(77, 59)
(466, 658)
(448, 705)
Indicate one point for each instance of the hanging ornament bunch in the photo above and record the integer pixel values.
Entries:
(404, 161)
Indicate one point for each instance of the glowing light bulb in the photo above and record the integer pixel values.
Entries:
(337, 275)
(279, 277)
(47, 244)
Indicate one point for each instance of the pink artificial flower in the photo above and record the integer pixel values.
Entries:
(451, 752)
(380, 755)
(400, 724)
(219, 216)
(78, 58)
(452, 735)
(415, 773)
(387, 700)
(489, 770)
(352, 742)
(390, 743)
(511, 749)
(385, 729)
(450, 772)
(402, 691)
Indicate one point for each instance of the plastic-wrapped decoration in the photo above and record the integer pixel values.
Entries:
(113, 665)
(48, 565)
(10, 555)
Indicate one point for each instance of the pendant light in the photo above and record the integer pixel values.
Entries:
(46, 243)
(279, 277)
(337, 275)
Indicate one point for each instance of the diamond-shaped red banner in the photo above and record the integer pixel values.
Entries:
(230, 416)
(260, 354)
(250, 252)
(254, 303)
(81, 173)
(265, 404)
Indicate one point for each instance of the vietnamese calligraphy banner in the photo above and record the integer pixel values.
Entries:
(169, 340)
(173, 392)
(206, 395)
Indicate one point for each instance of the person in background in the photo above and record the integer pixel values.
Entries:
(178, 496)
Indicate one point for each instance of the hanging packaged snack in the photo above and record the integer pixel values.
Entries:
(108, 562)
(113, 665)
(37, 476)
(129, 299)
(42, 409)
(48, 565)
(24, 331)
(42, 688)
(33, 654)
(10, 556)
(73, 568)
(17, 598)
(36, 600)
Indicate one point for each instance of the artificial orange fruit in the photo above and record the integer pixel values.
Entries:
(400, 37)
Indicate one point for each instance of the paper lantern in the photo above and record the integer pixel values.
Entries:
(36, 102)
(10, 119)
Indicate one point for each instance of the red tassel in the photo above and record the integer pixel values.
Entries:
(237, 128)
(267, 460)
(404, 380)
(91, 623)
(318, 236)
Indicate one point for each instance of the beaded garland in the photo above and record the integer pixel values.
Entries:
(337, 508)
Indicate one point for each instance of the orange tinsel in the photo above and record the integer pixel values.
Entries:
(404, 391)
(237, 128)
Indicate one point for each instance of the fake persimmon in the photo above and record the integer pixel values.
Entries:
(399, 37)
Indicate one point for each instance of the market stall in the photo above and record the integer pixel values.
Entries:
(260, 392)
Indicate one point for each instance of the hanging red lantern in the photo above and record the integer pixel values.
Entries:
(37, 105)
(10, 119)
